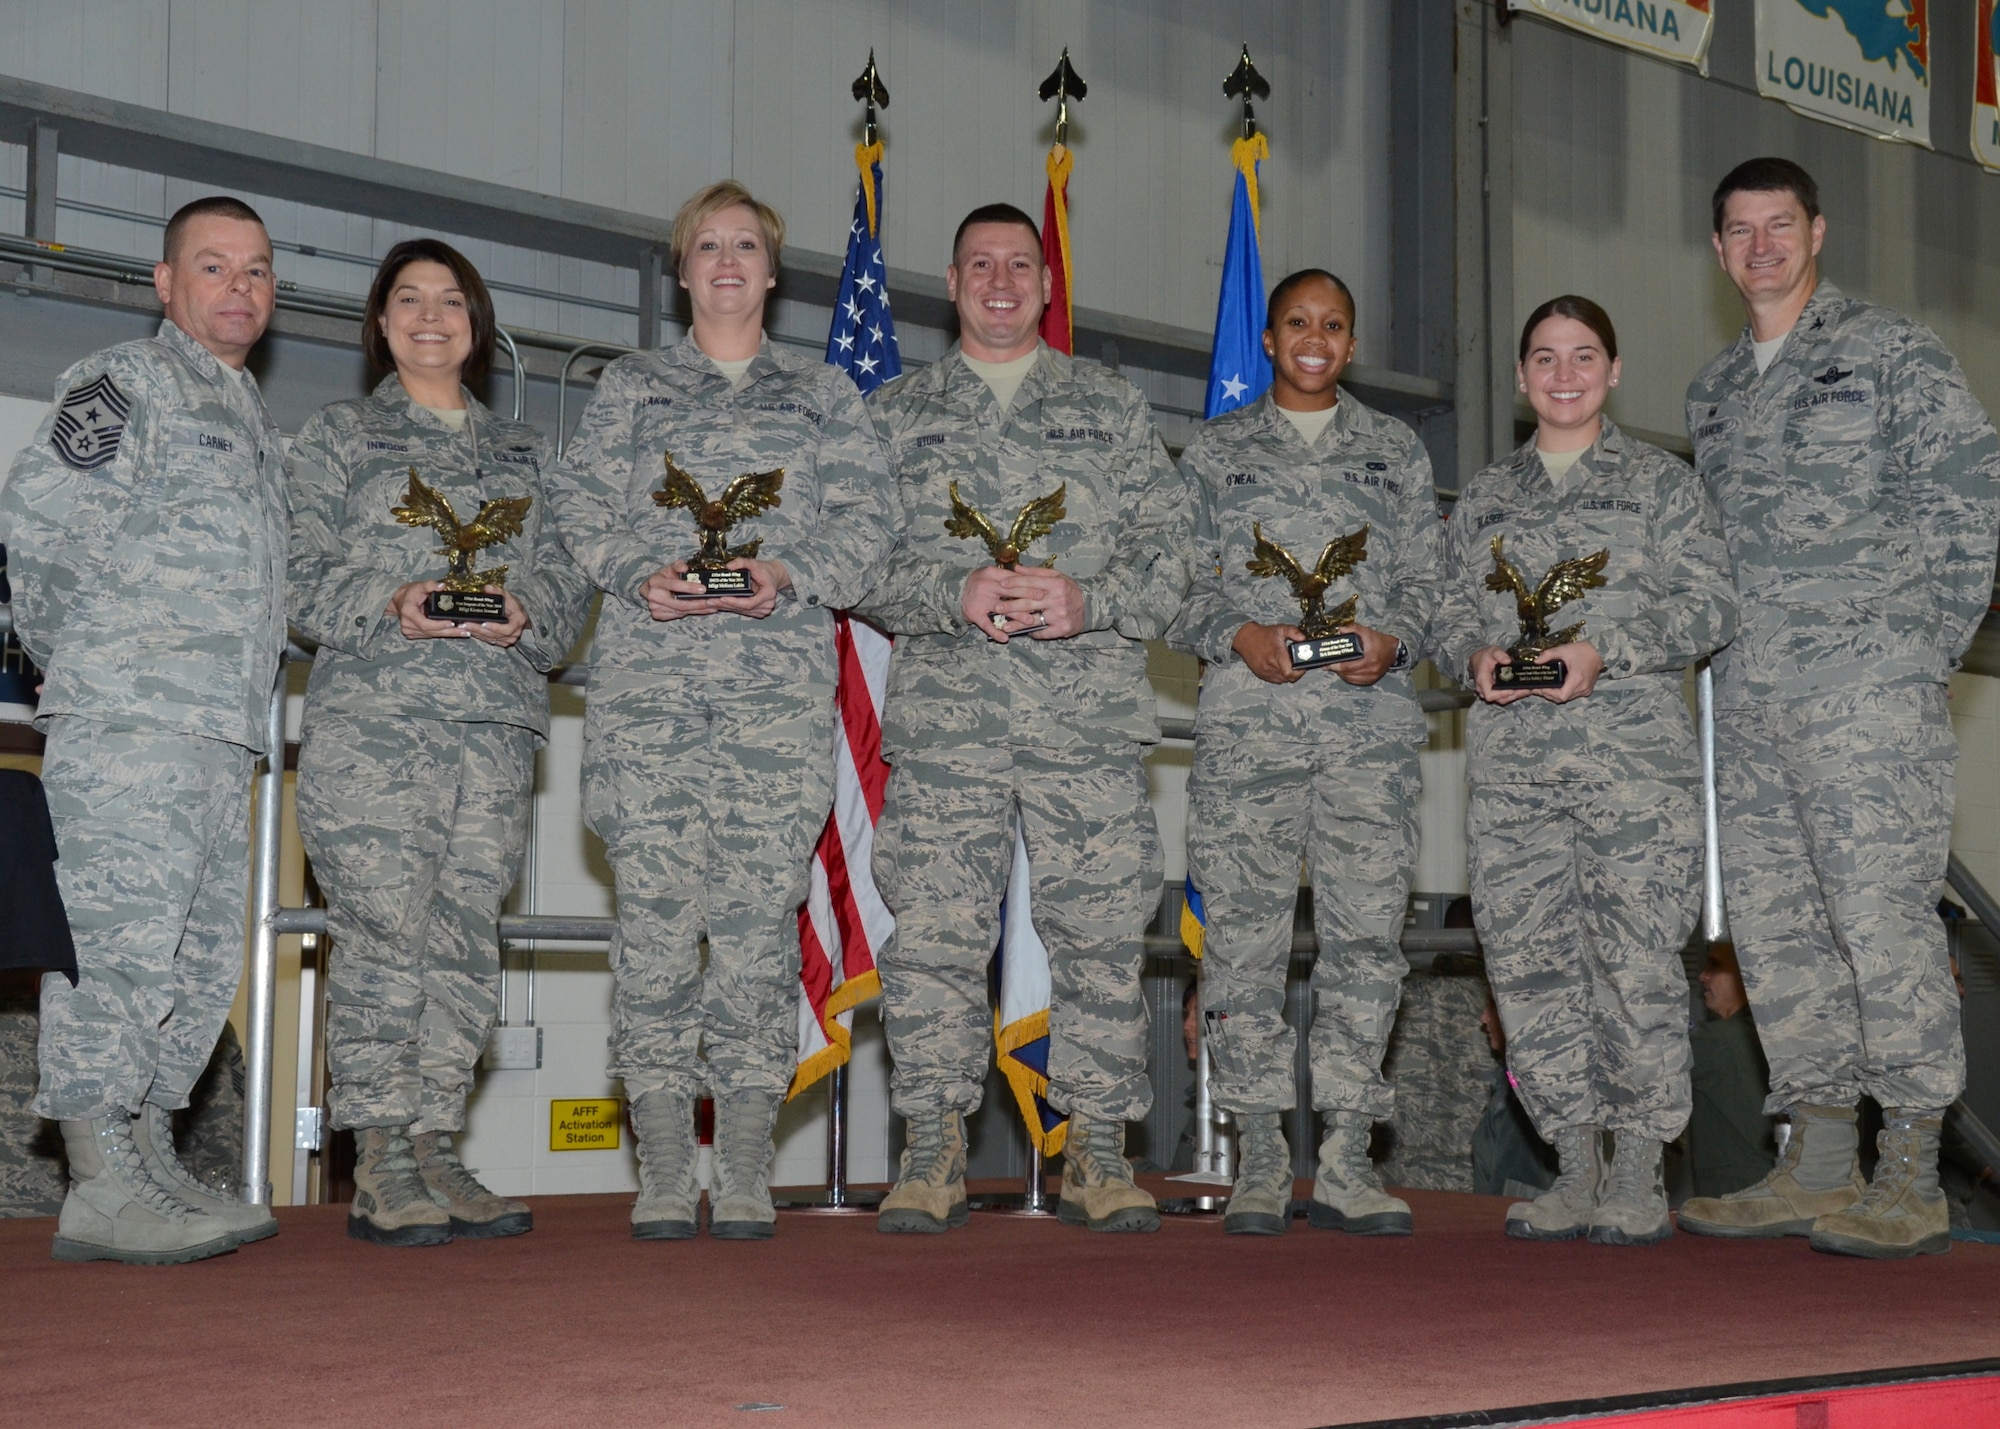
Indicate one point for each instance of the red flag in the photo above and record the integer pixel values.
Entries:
(1057, 331)
(843, 922)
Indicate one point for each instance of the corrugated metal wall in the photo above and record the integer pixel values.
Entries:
(635, 103)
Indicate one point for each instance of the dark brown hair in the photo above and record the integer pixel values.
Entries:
(214, 206)
(478, 303)
(1583, 310)
(1767, 176)
(994, 213)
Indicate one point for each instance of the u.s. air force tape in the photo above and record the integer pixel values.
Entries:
(90, 423)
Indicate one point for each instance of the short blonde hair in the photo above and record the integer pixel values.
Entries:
(713, 200)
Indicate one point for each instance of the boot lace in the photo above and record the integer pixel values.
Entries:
(926, 1147)
(1895, 1169)
(450, 1174)
(121, 1153)
(742, 1136)
(160, 1131)
(398, 1183)
(1265, 1156)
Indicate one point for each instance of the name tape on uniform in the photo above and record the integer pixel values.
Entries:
(592, 1125)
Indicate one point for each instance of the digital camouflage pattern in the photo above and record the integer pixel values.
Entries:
(415, 828)
(1053, 729)
(149, 587)
(155, 871)
(1124, 540)
(1585, 848)
(1667, 601)
(350, 465)
(1317, 772)
(1836, 824)
(708, 742)
(942, 855)
(1441, 1067)
(1857, 482)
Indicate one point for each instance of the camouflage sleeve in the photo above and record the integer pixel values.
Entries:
(1697, 615)
(1418, 581)
(914, 593)
(60, 514)
(1141, 587)
(556, 594)
(859, 515)
(1456, 627)
(331, 597)
(587, 492)
(1945, 444)
(1208, 621)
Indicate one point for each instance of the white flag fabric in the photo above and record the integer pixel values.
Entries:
(1862, 64)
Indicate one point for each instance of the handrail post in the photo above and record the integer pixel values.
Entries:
(263, 971)
(1714, 917)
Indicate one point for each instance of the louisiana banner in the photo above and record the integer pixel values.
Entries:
(843, 921)
(1676, 30)
(1985, 87)
(1021, 1009)
(1863, 64)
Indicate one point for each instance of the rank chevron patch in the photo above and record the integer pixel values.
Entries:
(90, 423)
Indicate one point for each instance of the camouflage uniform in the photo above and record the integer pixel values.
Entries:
(1054, 729)
(1856, 481)
(1319, 769)
(416, 763)
(32, 1179)
(1585, 831)
(708, 744)
(1441, 1067)
(145, 528)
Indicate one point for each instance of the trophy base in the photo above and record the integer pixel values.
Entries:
(1521, 675)
(719, 582)
(1328, 650)
(465, 607)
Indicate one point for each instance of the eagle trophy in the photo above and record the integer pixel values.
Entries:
(1035, 521)
(744, 497)
(496, 522)
(1565, 581)
(1342, 554)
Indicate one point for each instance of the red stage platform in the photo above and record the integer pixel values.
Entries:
(1010, 1321)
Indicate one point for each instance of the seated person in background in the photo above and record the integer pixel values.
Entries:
(1439, 1065)
(1508, 1158)
(1729, 1138)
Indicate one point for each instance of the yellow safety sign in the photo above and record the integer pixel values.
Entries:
(586, 1125)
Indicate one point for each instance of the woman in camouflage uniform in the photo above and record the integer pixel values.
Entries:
(708, 747)
(417, 761)
(1585, 842)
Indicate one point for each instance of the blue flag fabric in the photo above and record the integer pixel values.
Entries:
(1238, 370)
(862, 340)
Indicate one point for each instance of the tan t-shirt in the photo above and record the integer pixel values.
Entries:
(1309, 424)
(1003, 379)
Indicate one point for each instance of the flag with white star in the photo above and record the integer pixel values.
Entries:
(1238, 370)
(862, 339)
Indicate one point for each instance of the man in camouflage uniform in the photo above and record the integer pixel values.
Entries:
(1855, 472)
(1315, 766)
(31, 1166)
(1021, 694)
(145, 528)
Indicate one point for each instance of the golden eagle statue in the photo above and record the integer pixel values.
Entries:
(496, 522)
(1565, 581)
(744, 497)
(1035, 521)
(1341, 555)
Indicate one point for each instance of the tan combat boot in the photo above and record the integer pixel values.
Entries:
(1563, 1211)
(392, 1206)
(1817, 1175)
(1347, 1192)
(739, 1200)
(1260, 1203)
(115, 1211)
(476, 1213)
(153, 1135)
(1632, 1204)
(1097, 1186)
(1903, 1212)
(669, 1204)
(929, 1195)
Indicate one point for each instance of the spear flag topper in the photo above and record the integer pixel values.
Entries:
(871, 92)
(1243, 83)
(1063, 85)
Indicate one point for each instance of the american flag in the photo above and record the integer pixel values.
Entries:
(844, 921)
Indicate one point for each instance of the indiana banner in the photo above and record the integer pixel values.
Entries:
(1862, 64)
(1676, 30)
(1985, 88)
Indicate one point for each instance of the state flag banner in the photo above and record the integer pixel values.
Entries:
(1985, 87)
(1861, 64)
(1677, 30)
(1021, 1009)
(1239, 370)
